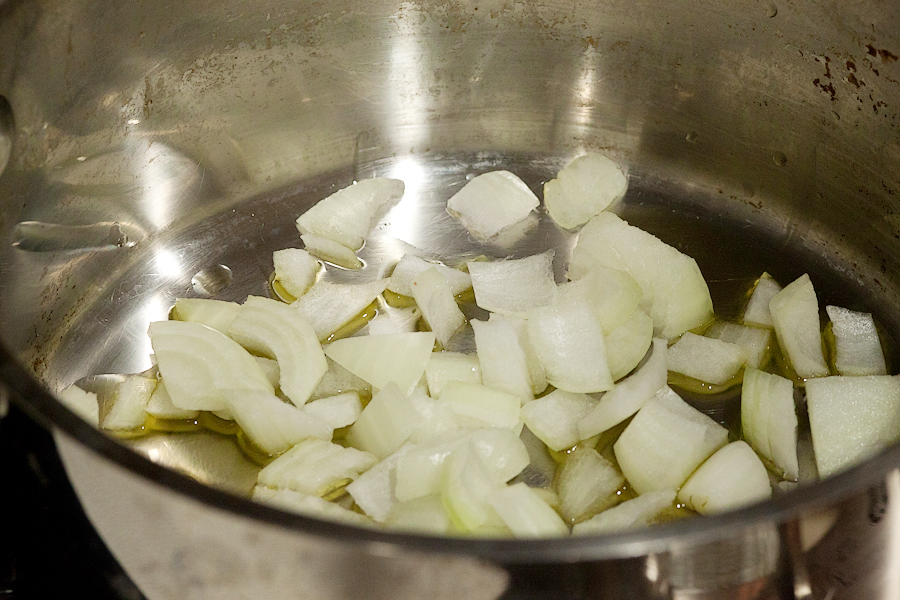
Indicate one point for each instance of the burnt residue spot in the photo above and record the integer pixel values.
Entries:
(886, 55)
(852, 79)
(851, 66)
(829, 87)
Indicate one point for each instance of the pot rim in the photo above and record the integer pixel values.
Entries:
(30, 395)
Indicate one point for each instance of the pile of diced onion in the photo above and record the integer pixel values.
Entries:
(560, 422)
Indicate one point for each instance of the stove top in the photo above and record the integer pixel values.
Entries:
(48, 548)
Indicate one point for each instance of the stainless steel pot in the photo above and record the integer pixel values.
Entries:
(149, 143)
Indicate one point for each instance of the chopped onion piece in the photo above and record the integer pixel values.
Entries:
(128, 409)
(769, 420)
(729, 479)
(628, 396)
(331, 251)
(390, 320)
(570, 345)
(465, 487)
(503, 362)
(272, 424)
(418, 471)
(554, 418)
(706, 359)
(757, 311)
(421, 515)
(583, 189)
(614, 295)
(327, 306)
(754, 340)
(627, 345)
(82, 403)
(385, 423)
(536, 373)
(295, 270)
(501, 450)
(665, 442)
(411, 265)
(637, 512)
(315, 466)
(270, 368)
(381, 359)
(431, 290)
(587, 484)
(198, 363)
(373, 491)
(857, 345)
(674, 291)
(337, 411)
(217, 314)
(160, 405)
(436, 418)
(513, 287)
(273, 328)
(305, 504)
(852, 418)
(492, 202)
(477, 405)
(795, 314)
(525, 512)
(444, 367)
(347, 215)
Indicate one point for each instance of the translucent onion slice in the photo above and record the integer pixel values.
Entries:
(217, 314)
(373, 491)
(665, 442)
(418, 472)
(385, 423)
(477, 405)
(328, 306)
(501, 450)
(502, 360)
(128, 409)
(444, 367)
(382, 359)
(587, 484)
(857, 345)
(338, 380)
(275, 329)
(554, 418)
(82, 403)
(272, 424)
(525, 512)
(270, 368)
(347, 215)
(465, 487)
(436, 418)
(795, 314)
(769, 420)
(585, 187)
(198, 363)
(337, 411)
(295, 270)
(421, 515)
(614, 295)
(492, 202)
(706, 359)
(536, 373)
(315, 466)
(312, 506)
(754, 340)
(513, 287)
(433, 295)
(570, 345)
(393, 320)
(627, 345)
(634, 513)
(160, 405)
(757, 311)
(330, 251)
(628, 396)
(674, 292)
(729, 479)
(411, 265)
(852, 418)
